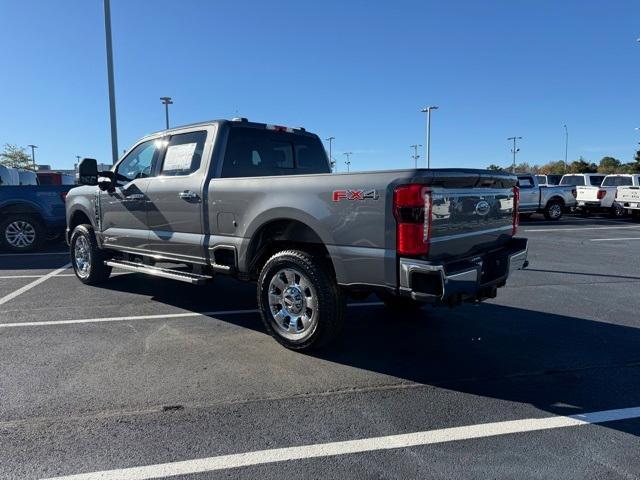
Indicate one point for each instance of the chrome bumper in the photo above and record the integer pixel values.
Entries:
(467, 283)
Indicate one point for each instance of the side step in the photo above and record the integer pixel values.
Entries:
(188, 277)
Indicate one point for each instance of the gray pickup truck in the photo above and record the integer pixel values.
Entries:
(552, 201)
(260, 202)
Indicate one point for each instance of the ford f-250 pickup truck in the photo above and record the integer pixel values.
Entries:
(260, 202)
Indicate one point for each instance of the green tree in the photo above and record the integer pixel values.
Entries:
(553, 168)
(582, 166)
(609, 165)
(16, 157)
(495, 168)
(633, 167)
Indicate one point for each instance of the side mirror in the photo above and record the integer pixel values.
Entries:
(88, 171)
(106, 181)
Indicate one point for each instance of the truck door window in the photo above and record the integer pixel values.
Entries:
(595, 181)
(525, 182)
(183, 154)
(139, 162)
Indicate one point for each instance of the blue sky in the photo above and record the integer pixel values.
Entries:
(357, 70)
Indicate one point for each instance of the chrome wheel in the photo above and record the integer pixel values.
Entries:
(82, 257)
(20, 234)
(555, 211)
(293, 304)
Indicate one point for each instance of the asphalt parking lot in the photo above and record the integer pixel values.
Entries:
(181, 380)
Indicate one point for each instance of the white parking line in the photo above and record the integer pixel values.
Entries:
(151, 317)
(7, 277)
(613, 239)
(32, 254)
(35, 283)
(576, 229)
(428, 437)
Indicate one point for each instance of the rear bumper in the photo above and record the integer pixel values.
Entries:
(472, 279)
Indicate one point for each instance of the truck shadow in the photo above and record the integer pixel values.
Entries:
(561, 364)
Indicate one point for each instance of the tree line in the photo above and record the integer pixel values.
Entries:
(606, 165)
(16, 157)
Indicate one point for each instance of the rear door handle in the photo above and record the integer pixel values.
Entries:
(188, 195)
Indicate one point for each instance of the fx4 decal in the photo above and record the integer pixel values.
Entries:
(355, 195)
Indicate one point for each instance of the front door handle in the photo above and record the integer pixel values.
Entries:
(188, 195)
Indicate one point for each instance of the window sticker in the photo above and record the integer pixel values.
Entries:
(178, 157)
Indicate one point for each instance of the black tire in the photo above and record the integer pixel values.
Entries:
(322, 303)
(553, 210)
(617, 211)
(97, 271)
(408, 308)
(21, 232)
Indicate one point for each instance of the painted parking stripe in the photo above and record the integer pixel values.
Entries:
(390, 442)
(576, 229)
(35, 283)
(38, 254)
(167, 316)
(613, 239)
(7, 277)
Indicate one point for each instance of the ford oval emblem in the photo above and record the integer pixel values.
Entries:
(482, 207)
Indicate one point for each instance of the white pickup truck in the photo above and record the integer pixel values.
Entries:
(604, 197)
(629, 198)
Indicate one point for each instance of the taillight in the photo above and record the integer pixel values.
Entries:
(574, 192)
(516, 210)
(412, 210)
(601, 194)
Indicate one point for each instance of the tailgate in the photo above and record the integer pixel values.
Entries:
(629, 194)
(467, 221)
(587, 194)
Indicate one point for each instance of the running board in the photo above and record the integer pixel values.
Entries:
(188, 277)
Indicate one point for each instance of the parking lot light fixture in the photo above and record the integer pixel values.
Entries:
(348, 160)
(33, 155)
(166, 101)
(514, 150)
(427, 110)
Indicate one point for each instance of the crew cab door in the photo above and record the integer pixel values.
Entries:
(176, 200)
(124, 208)
(529, 193)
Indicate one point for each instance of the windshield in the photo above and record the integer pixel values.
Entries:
(572, 180)
(616, 181)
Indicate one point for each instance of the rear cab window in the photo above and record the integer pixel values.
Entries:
(577, 181)
(617, 181)
(255, 152)
(595, 180)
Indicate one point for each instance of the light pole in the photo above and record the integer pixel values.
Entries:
(514, 150)
(330, 140)
(427, 110)
(166, 101)
(566, 146)
(348, 160)
(33, 155)
(78, 157)
(112, 95)
(415, 155)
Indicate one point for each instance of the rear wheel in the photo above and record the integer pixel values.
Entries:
(300, 302)
(87, 259)
(21, 233)
(553, 210)
(617, 211)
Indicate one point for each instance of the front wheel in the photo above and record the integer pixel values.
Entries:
(21, 233)
(553, 211)
(300, 302)
(87, 259)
